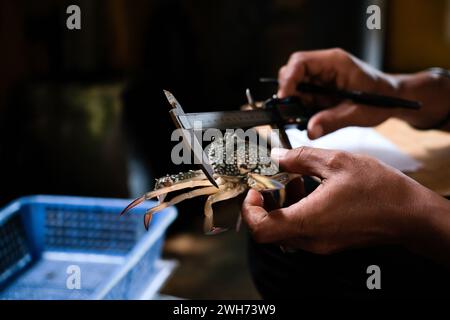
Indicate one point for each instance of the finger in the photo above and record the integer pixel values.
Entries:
(304, 160)
(281, 73)
(265, 227)
(288, 78)
(252, 208)
(320, 64)
(289, 88)
(284, 224)
(279, 225)
(343, 115)
(332, 119)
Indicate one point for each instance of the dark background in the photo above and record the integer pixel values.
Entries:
(82, 111)
(75, 105)
(205, 52)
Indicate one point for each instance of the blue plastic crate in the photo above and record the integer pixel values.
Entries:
(41, 236)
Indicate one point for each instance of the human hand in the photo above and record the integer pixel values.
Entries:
(337, 68)
(359, 202)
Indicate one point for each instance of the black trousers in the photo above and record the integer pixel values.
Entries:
(280, 275)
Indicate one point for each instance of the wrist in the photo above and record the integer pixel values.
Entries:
(405, 87)
(430, 88)
(394, 86)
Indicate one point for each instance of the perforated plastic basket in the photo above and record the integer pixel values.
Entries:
(42, 236)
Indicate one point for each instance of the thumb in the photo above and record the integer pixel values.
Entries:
(252, 208)
(267, 227)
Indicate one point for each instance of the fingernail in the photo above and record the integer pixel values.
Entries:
(315, 132)
(278, 153)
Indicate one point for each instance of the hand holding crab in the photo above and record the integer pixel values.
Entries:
(360, 202)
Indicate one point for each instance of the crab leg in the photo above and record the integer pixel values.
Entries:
(272, 183)
(276, 182)
(196, 175)
(164, 191)
(161, 193)
(188, 195)
(219, 196)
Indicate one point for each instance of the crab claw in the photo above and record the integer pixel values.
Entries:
(215, 230)
(148, 218)
(133, 204)
(149, 213)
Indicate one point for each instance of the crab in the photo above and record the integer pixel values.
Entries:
(236, 170)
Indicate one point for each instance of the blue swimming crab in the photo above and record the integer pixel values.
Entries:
(240, 168)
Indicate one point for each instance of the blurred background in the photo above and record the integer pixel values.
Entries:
(82, 111)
